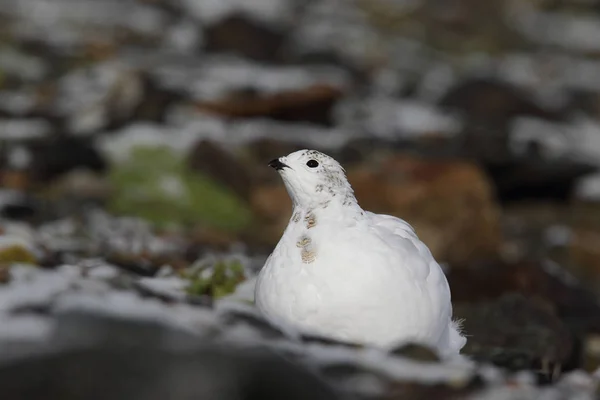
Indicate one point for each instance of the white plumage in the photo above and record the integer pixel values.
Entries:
(350, 274)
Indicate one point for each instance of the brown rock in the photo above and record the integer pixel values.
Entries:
(584, 256)
(246, 37)
(486, 282)
(517, 333)
(449, 203)
(222, 166)
(4, 274)
(272, 203)
(491, 100)
(311, 104)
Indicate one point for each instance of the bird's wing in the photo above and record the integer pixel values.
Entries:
(418, 259)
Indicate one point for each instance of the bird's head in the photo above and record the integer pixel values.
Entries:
(313, 178)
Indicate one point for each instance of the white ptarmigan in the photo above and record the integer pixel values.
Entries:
(349, 274)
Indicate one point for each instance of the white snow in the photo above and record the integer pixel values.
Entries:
(24, 328)
(23, 129)
(389, 118)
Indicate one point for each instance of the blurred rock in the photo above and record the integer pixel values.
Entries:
(81, 185)
(488, 106)
(312, 104)
(534, 177)
(416, 352)
(272, 204)
(493, 101)
(449, 203)
(488, 281)
(584, 256)
(4, 274)
(155, 101)
(59, 155)
(151, 358)
(515, 332)
(222, 166)
(246, 37)
(17, 205)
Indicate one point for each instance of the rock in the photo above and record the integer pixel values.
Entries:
(237, 317)
(159, 362)
(416, 352)
(584, 256)
(465, 229)
(271, 203)
(4, 274)
(135, 263)
(516, 333)
(488, 107)
(83, 185)
(246, 37)
(155, 101)
(422, 391)
(18, 205)
(54, 157)
(486, 282)
(533, 177)
(311, 104)
(482, 99)
(220, 165)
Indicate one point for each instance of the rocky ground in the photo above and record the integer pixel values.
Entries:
(137, 206)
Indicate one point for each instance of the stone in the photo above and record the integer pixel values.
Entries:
(485, 282)
(515, 332)
(311, 104)
(416, 352)
(54, 157)
(488, 107)
(4, 274)
(584, 256)
(246, 37)
(483, 99)
(449, 203)
(160, 362)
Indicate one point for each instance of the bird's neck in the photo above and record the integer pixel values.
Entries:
(335, 207)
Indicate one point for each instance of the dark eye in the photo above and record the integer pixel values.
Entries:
(312, 163)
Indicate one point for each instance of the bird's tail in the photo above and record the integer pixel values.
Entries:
(452, 340)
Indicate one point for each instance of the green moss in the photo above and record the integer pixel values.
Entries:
(219, 281)
(16, 254)
(155, 184)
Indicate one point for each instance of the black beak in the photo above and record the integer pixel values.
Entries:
(278, 165)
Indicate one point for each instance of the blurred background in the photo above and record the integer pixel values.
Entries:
(135, 137)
